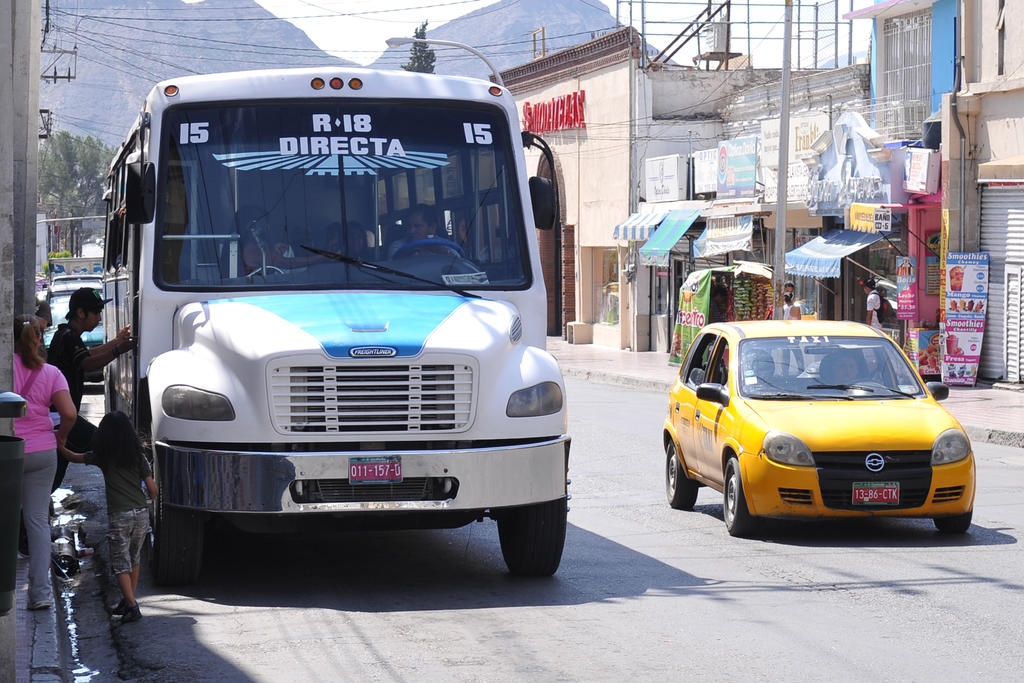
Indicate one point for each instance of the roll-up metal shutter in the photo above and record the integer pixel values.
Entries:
(1014, 321)
(1002, 236)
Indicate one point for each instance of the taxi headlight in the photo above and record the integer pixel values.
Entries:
(540, 399)
(189, 403)
(951, 446)
(787, 449)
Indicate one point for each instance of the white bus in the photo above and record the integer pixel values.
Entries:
(307, 349)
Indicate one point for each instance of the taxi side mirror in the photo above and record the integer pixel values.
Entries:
(939, 391)
(716, 393)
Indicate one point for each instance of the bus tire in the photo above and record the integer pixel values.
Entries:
(532, 537)
(177, 545)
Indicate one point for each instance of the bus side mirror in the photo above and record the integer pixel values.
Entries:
(542, 197)
(140, 192)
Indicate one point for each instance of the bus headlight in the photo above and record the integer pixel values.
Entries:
(541, 399)
(783, 447)
(189, 403)
(951, 446)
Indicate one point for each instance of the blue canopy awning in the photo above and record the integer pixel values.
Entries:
(821, 256)
(655, 251)
(638, 226)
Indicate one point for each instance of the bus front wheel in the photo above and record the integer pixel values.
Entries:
(532, 537)
(177, 544)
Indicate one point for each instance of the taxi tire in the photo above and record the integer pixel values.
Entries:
(738, 520)
(532, 537)
(680, 490)
(954, 525)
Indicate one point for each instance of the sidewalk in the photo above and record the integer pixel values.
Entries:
(989, 414)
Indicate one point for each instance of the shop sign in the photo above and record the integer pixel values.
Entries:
(665, 178)
(966, 298)
(558, 113)
(921, 171)
(869, 218)
(737, 167)
(906, 288)
(853, 169)
(705, 171)
(728, 233)
(694, 302)
(803, 131)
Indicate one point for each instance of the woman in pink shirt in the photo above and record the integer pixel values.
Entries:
(41, 386)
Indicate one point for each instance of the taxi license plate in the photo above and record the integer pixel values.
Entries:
(385, 469)
(876, 493)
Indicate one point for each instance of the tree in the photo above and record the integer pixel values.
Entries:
(72, 174)
(421, 57)
(72, 177)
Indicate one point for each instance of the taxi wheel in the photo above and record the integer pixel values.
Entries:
(738, 520)
(954, 525)
(680, 489)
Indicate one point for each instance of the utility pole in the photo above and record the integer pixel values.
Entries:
(779, 253)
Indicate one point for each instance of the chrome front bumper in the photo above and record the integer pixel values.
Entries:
(259, 482)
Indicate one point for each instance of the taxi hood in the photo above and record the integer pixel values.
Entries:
(889, 424)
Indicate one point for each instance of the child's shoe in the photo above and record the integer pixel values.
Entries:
(132, 613)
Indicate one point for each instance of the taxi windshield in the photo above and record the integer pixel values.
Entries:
(825, 368)
(250, 196)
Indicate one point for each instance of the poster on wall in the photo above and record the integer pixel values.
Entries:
(966, 298)
(931, 264)
(694, 298)
(924, 351)
(906, 288)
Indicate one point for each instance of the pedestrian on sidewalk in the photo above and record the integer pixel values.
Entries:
(69, 353)
(41, 385)
(117, 451)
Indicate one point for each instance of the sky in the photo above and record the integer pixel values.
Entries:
(356, 29)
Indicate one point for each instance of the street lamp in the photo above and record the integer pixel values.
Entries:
(782, 198)
(398, 42)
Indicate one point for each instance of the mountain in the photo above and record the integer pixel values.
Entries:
(124, 47)
(505, 33)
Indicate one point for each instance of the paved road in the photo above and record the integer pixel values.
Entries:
(644, 592)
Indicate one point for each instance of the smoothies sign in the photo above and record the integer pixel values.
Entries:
(965, 303)
(694, 301)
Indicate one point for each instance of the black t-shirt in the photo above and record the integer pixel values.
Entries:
(67, 351)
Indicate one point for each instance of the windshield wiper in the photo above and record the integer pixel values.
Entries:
(782, 396)
(376, 267)
(844, 387)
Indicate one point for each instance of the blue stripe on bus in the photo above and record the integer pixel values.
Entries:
(342, 322)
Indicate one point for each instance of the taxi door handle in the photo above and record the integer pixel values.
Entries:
(696, 416)
(677, 406)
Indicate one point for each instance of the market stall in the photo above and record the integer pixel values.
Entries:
(742, 291)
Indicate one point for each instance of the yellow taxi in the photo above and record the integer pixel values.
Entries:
(813, 419)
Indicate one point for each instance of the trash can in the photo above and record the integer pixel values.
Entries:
(12, 457)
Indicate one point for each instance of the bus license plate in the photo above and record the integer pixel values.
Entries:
(876, 493)
(385, 469)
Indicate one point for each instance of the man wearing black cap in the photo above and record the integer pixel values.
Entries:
(69, 353)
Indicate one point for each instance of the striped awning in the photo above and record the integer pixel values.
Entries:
(660, 243)
(639, 226)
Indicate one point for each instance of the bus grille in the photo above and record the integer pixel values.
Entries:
(375, 398)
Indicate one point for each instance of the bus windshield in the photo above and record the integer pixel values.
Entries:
(426, 190)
